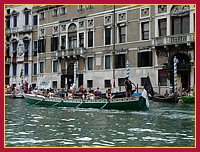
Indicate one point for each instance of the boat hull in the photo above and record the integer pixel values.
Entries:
(161, 98)
(17, 96)
(119, 104)
(188, 99)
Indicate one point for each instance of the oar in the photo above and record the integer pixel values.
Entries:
(104, 105)
(78, 104)
(37, 102)
(55, 104)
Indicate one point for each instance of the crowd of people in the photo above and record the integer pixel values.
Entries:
(183, 92)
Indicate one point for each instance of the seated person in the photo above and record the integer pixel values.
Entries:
(166, 94)
(91, 95)
(171, 93)
(109, 95)
(69, 95)
(81, 90)
(97, 91)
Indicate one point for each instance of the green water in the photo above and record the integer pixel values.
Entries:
(171, 125)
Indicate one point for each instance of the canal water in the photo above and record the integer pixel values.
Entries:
(171, 125)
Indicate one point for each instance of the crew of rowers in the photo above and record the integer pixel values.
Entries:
(70, 93)
(89, 95)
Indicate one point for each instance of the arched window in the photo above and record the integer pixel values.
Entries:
(180, 19)
(72, 36)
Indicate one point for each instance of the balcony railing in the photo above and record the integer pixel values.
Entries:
(71, 52)
(8, 59)
(27, 28)
(8, 31)
(47, 55)
(173, 39)
(14, 30)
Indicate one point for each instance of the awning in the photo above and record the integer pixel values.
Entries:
(7, 19)
(7, 46)
(25, 50)
(14, 51)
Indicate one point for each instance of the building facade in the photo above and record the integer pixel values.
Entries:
(18, 49)
(90, 45)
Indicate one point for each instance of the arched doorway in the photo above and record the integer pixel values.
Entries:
(183, 70)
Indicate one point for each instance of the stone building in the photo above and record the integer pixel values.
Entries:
(90, 45)
(18, 49)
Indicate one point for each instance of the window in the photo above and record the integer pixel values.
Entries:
(14, 47)
(15, 21)
(35, 20)
(7, 50)
(121, 81)
(90, 7)
(145, 30)
(107, 62)
(120, 61)
(54, 85)
(26, 46)
(55, 12)
(54, 43)
(63, 42)
(26, 18)
(80, 8)
(143, 80)
(8, 23)
(162, 25)
(81, 39)
(62, 10)
(90, 63)
(145, 59)
(72, 42)
(90, 39)
(89, 83)
(122, 34)
(7, 68)
(35, 69)
(55, 66)
(107, 36)
(35, 48)
(162, 77)
(180, 25)
(8, 11)
(41, 67)
(42, 16)
(14, 69)
(107, 84)
(41, 45)
(26, 69)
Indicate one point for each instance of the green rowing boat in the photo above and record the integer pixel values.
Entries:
(188, 99)
(132, 103)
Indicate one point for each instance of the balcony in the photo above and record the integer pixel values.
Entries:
(8, 31)
(14, 30)
(173, 40)
(8, 59)
(27, 28)
(20, 58)
(71, 52)
(51, 55)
